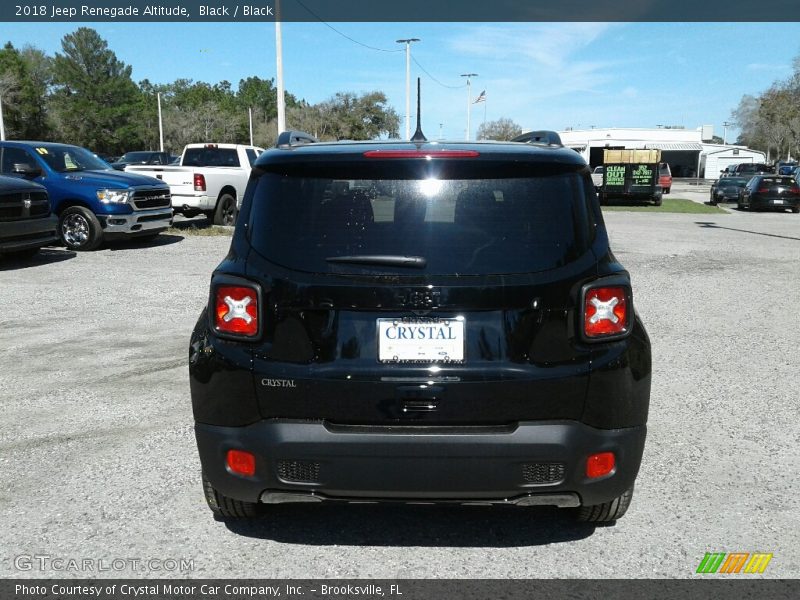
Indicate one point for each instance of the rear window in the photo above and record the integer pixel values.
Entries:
(210, 157)
(459, 226)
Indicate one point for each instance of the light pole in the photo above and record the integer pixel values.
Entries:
(160, 125)
(279, 70)
(469, 98)
(725, 125)
(408, 43)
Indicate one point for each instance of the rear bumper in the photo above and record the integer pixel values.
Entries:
(190, 202)
(775, 203)
(28, 233)
(525, 463)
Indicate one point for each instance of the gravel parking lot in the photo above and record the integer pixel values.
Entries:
(98, 458)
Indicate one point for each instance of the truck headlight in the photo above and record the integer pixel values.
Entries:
(114, 196)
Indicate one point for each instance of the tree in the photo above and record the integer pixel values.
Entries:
(349, 116)
(95, 100)
(500, 130)
(24, 78)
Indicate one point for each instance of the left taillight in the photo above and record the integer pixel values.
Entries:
(606, 311)
(236, 310)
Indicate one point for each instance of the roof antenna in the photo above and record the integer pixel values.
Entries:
(418, 135)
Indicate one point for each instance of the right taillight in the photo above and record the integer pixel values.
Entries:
(606, 312)
(236, 310)
(199, 182)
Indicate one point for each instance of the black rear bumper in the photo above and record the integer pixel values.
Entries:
(526, 463)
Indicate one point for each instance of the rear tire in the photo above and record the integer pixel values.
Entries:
(657, 201)
(79, 229)
(606, 512)
(226, 210)
(796, 209)
(229, 508)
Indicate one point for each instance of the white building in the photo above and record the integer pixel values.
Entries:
(688, 151)
(716, 157)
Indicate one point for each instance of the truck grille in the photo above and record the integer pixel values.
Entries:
(543, 472)
(298, 470)
(24, 205)
(144, 200)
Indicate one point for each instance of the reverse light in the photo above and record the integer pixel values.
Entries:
(107, 196)
(605, 312)
(236, 310)
(600, 464)
(241, 462)
(199, 182)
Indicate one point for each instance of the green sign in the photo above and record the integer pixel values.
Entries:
(615, 175)
(642, 175)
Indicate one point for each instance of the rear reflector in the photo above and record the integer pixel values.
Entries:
(426, 154)
(605, 312)
(236, 310)
(600, 464)
(241, 462)
(199, 182)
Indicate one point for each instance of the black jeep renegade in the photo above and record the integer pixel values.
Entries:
(420, 322)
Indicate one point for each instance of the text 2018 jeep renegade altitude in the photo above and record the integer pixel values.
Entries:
(416, 321)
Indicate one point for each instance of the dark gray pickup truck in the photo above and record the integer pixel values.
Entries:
(26, 223)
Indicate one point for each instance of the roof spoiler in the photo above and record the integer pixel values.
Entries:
(549, 138)
(289, 139)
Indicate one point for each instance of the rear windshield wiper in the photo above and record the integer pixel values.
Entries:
(388, 260)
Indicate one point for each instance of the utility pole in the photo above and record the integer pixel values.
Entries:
(250, 114)
(408, 43)
(469, 99)
(279, 74)
(160, 125)
(725, 125)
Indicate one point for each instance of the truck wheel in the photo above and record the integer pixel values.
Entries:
(226, 210)
(79, 229)
(608, 511)
(228, 508)
(657, 201)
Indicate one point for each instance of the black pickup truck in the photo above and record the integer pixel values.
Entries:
(26, 223)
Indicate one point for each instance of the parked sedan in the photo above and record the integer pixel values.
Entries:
(727, 189)
(769, 192)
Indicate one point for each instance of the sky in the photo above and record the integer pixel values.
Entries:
(540, 75)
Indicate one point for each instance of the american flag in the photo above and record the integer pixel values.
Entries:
(481, 97)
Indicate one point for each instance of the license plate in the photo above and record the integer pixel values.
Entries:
(421, 340)
(777, 201)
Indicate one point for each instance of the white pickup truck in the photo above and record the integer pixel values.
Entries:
(211, 179)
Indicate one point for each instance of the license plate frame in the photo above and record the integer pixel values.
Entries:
(448, 348)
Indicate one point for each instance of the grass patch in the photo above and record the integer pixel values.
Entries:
(205, 231)
(669, 205)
